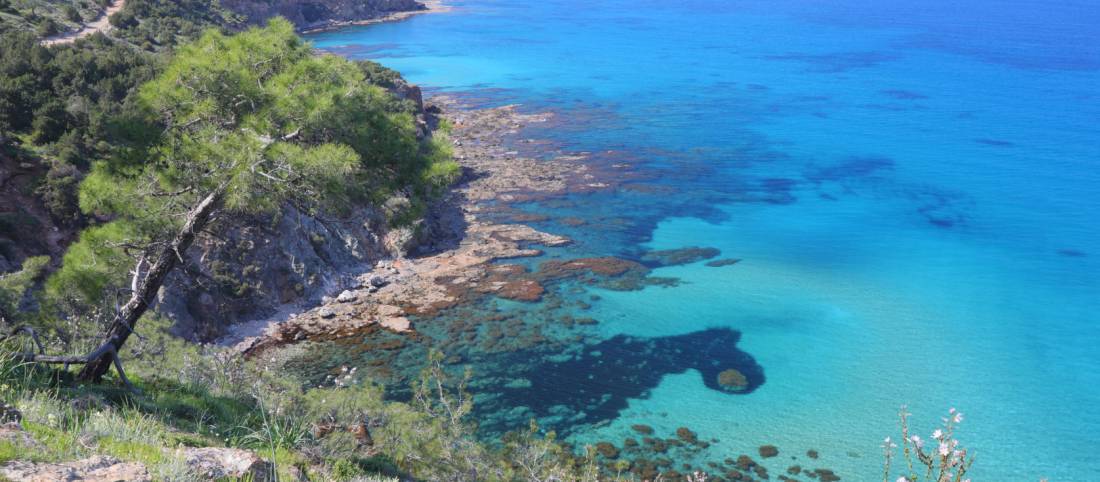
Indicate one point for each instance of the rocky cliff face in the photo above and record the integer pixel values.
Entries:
(26, 228)
(310, 14)
(261, 268)
(252, 271)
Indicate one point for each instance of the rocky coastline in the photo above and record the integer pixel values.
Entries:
(455, 262)
(424, 6)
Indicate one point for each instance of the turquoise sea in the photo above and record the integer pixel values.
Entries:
(911, 187)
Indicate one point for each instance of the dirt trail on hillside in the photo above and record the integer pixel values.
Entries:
(100, 24)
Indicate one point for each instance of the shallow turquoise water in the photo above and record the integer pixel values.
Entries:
(912, 190)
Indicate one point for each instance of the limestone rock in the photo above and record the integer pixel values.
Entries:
(390, 311)
(346, 297)
(212, 463)
(12, 432)
(326, 313)
(399, 324)
(93, 469)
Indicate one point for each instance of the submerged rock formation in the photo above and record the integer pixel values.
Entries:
(604, 376)
(733, 380)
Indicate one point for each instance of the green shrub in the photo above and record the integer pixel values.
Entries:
(58, 192)
(72, 14)
(47, 27)
(123, 19)
(14, 286)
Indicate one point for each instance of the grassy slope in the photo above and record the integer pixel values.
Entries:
(186, 398)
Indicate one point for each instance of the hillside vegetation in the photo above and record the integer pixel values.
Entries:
(229, 128)
(47, 17)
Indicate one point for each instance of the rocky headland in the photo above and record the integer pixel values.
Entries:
(316, 15)
(454, 261)
(459, 253)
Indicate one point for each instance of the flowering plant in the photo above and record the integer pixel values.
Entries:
(941, 457)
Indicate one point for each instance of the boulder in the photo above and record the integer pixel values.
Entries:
(377, 281)
(346, 297)
(99, 468)
(399, 324)
(211, 463)
(10, 414)
(326, 313)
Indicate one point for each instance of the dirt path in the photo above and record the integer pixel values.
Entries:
(101, 24)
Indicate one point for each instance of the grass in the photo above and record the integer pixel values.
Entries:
(188, 397)
(72, 421)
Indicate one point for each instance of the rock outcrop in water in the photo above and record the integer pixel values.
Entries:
(453, 265)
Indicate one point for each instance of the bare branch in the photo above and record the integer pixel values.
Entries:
(137, 273)
(29, 331)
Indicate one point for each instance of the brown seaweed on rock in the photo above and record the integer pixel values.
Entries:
(732, 380)
(676, 257)
(607, 272)
(718, 263)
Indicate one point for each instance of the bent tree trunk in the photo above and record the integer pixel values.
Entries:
(164, 260)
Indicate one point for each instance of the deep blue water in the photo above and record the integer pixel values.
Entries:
(911, 187)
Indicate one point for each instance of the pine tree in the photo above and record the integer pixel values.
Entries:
(233, 125)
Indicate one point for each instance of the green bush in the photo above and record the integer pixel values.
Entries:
(167, 23)
(47, 27)
(72, 14)
(15, 286)
(58, 192)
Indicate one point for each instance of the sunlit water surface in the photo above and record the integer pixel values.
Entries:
(912, 190)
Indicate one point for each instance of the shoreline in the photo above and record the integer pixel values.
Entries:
(463, 243)
(430, 6)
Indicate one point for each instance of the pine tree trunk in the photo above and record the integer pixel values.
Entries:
(163, 262)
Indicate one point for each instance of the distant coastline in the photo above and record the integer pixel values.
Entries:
(430, 6)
